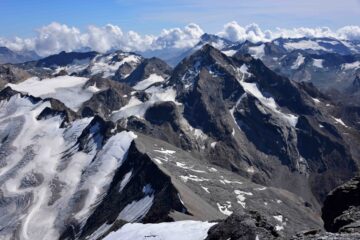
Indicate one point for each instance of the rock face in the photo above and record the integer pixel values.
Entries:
(316, 235)
(146, 184)
(340, 213)
(12, 74)
(9, 56)
(110, 97)
(341, 210)
(64, 58)
(248, 226)
(147, 69)
(216, 90)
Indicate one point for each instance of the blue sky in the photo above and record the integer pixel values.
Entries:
(22, 17)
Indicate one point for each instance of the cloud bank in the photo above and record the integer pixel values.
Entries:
(57, 37)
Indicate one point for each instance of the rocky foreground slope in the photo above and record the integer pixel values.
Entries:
(116, 146)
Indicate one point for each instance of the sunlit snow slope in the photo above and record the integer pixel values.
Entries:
(47, 177)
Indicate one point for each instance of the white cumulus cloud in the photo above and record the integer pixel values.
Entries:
(56, 37)
(349, 32)
(233, 31)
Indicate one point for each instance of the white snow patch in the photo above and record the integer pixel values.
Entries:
(340, 121)
(258, 51)
(183, 166)
(328, 42)
(136, 210)
(205, 189)
(279, 228)
(251, 88)
(199, 134)
(93, 88)
(318, 63)
(298, 62)
(165, 151)
(225, 181)
(189, 230)
(144, 84)
(158, 161)
(125, 180)
(104, 64)
(240, 196)
(281, 225)
(193, 178)
(250, 169)
(304, 44)
(212, 169)
(213, 144)
(350, 66)
(316, 100)
(279, 218)
(100, 232)
(224, 208)
(137, 108)
(75, 67)
(245, 71)
(159, 94)
(229, 53)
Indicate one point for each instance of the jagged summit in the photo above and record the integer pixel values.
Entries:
(150, 71)
(65, 58)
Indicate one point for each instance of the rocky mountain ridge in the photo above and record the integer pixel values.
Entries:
(134, 141)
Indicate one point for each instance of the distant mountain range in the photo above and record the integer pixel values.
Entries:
(9, 56)
(326, 62)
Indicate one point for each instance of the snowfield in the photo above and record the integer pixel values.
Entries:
(137, 108)
(75, 67)
(153, 78)
(304, 44)
(298, 62)
(67, 89)
(39, 169)
(105, 66)
(182, 230)
(257, 52)
(318, 63)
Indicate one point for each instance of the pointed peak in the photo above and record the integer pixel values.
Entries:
(209, 52)
(208, 47)
(206, 37)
